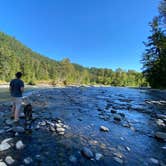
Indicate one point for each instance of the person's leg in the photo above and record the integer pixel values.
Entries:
(17, 109)
(13, 108)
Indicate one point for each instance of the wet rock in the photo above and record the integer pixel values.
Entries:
(103, 128)
(128, 148)
(113, 111)
(19, 129)
(160, 122)
(60, 129)
(61, 133)
(9, 122)
(161, 116)
(9, 160)
(4, 146)
(19, 145)
(52, 129)
(117, 117)
(120, 161)
(2, 131)
(2, 163)
(6, 140)
(98, 156)
(161, 135)
(118, 154)
(121, 114)
(126, 125)
(87, 153)
(73, 159)
(28, 160)
(154, 161)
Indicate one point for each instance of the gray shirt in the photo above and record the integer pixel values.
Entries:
(15, 87)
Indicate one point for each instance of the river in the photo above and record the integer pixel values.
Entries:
(129, 141)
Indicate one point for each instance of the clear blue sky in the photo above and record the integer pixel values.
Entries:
(99, 33)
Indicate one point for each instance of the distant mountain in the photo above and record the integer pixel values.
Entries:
(14, 56)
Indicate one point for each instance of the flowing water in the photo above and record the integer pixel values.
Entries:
(84, 110)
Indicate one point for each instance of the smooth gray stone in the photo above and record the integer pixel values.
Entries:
(103, 128)
(4, 146)
(9, 160)
(87, 153)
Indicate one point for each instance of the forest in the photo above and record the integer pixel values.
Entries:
(14, 56)
(154, 57)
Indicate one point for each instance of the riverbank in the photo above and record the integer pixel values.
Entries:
(87, 126)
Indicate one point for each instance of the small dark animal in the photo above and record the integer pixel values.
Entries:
(28, 112)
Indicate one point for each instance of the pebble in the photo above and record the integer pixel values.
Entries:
(6, 140)
(87, 153)
(19, 129)
(103, 128)
(9, 160)
(19, 145)
(113, 111)
(120, 161)
(73, 159)
(60, 129)
(28, 160)
(128, 148)
(9, 122)
(2, 163)
(117, 117)
(98, 156)
(161, 135)
(4, 146)
(2, 131)
(154, 161)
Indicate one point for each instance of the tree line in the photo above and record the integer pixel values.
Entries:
(154, 57)
(14, 56)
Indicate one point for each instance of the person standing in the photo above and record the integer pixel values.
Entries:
(16, 89)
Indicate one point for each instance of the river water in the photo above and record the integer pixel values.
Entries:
(84, 110)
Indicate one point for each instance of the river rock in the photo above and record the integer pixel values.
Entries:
(19, 129)
(19, 145)
(121, 114)
(60, 129)
(73, 159)
(160, 135)
(103, 128)
(120, 161)
(9, 122)
(113, 111)
(161, 116)
(2, 131)
(2, 163)
(87, 153)
(117, 117)
(9, 160)
(4, 146)
(28, 160)
(6, 140)
(160, 122)
(98, 156)
(154, 161)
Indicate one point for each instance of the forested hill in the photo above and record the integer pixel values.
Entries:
(14, 56)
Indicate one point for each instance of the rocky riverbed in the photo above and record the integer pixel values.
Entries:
(87, 126)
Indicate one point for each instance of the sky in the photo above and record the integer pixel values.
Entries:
(92, 33)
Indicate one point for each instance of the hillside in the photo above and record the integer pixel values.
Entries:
(14, 56)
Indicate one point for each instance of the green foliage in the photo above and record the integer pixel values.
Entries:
(154, 58)
(14, 57)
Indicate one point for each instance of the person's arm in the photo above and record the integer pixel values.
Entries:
(22, 89)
